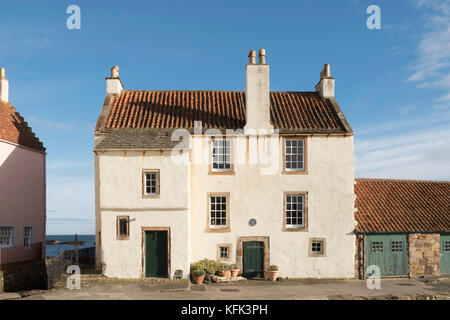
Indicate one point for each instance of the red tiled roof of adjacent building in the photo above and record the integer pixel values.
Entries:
(297, 111)
(14, 129)
(402, 205)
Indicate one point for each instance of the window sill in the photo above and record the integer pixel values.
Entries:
(304, 172)
(149, 196)
(123, 238)
(290, 229)
(314, 255)
(218, 230)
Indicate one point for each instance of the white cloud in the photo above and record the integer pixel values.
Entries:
(421, 151)
(432, 66)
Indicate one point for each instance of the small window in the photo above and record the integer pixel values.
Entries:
(294, 210)
(151, 183)
(221, 155)
(218, 211)
(316, 247)
(27, 236)
(294, 155)
(446, 246)
(377, 247)
(6, 236)
(123, 228)
(224, 254)
(397, 246)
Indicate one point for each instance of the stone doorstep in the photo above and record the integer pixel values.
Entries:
(10, 296)
(229, 279)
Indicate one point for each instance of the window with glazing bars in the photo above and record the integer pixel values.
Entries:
(317, 247)
(27, 232)
(224, 254)
(6, 236)
(446, 246)
(221, 155)
(218, 211)
(377, 247)
(397, 246)
(151, 183)
(294, 210)
(294, 151)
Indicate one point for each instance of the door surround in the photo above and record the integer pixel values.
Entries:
(144, 230)
(240, 252)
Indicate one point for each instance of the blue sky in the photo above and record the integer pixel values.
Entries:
(393, 84)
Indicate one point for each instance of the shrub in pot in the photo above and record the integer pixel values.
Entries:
(273, 273)
(198, 276)
(234, 270)
(224, 270)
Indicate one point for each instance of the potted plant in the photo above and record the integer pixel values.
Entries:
(224, 270)
(273, 273)
(198, 276)
(234, 270)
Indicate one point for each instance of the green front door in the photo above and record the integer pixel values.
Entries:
(253, 259)
(389, 253)
(445, 254)
(156, 254)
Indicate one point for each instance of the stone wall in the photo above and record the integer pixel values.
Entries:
(424, 255)
(23, 276)
(360, 253)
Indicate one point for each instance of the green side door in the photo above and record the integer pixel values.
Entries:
(445, 254)
(389, 253)
(253, 259)
(156, 254)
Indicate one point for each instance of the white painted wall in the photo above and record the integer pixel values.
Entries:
(329, 184)
(120, 185)
(182, 206)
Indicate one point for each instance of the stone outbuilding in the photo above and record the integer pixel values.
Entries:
(403, 227)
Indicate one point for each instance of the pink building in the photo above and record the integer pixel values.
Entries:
(22, 186)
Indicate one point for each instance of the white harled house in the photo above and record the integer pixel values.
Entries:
(252, 177)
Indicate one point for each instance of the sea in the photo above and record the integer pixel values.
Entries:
(55, 250)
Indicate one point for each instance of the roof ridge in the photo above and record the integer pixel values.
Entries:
(213, 90)
(403, 180)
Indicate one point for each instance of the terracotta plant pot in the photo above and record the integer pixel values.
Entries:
(224, 273)
(234, 273)
(273, 275)
(197, 279)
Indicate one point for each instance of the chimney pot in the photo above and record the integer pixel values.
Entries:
(115, 72)
(4, 86)
(326, 70)
(262, 56)
(252, 57)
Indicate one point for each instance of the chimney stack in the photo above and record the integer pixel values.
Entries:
(4, 86)
(257, 95)
(325, 87)
(113, 83)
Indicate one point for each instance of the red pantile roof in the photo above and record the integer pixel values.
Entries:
(298, 111)
(402, 205)
(14, 129)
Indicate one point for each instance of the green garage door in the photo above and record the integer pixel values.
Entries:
(445, 254)
(389, 252)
